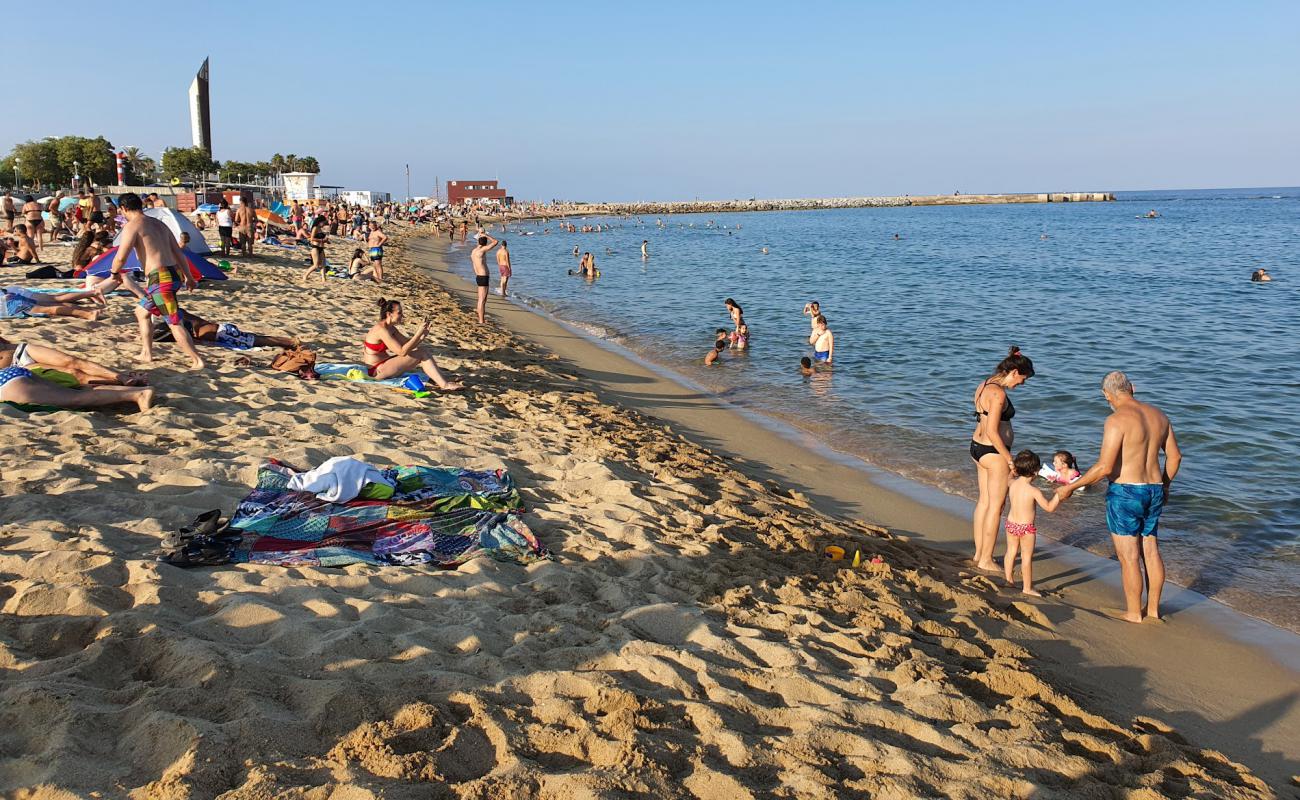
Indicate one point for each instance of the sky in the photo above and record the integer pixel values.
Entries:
(715, 100)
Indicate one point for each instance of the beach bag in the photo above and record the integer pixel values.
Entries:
(294, 360)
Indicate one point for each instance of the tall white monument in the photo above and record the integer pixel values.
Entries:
(200, 114)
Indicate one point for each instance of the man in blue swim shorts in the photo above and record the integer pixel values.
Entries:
(1131, 442)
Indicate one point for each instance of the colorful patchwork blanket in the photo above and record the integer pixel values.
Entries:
(437, 515)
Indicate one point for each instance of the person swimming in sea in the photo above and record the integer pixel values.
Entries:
(719, 347)
(806, 366)
(1260, 276)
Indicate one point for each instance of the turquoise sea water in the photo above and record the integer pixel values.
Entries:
(1083, 288)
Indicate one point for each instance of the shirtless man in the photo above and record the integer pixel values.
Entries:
(27, 249)
(476, 257)
(1131, 442)
(503, 266)
(375, 241)
(162, 258)
(10, 212)
(245, 221)
(645, 248)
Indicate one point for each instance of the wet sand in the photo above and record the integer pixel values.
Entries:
(1229, 681)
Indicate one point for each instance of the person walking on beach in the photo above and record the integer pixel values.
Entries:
(503, 266)
(376, 240)
(990, 449)
(225, 226)
(1131, 442)
(477, 258)
(163, 262)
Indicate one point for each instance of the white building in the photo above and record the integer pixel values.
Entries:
(359, 197)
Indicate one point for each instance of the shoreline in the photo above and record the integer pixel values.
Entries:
(1088, 650)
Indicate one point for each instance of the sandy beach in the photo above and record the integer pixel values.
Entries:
(689, 639)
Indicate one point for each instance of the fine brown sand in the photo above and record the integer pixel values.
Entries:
(689, 640)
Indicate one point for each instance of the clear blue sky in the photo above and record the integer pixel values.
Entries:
(611, 101)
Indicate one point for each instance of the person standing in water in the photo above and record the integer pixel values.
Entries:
(1132, 440)
(503, 266)
(990, 449)
(645, 248)
(477, 258)
(822, 340)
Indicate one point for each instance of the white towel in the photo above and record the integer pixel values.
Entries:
(338, 480)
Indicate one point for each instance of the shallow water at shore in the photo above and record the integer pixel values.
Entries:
(1083, 288)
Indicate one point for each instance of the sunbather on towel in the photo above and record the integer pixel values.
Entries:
(227, 335)
(388, 352)
(87, 373)
(19, 385)
(24, 304)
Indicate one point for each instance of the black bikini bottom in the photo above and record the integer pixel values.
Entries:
(978, 451)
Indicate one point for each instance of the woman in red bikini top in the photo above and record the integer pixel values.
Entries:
(389, 353)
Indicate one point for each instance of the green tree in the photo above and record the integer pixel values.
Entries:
(139, 167)
(180, 163)
(89, 158)
(309, 164)
(38, 163)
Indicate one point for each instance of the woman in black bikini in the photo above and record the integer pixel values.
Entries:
(990, 449)
(317, 243)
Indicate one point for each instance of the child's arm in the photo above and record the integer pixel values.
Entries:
(1047, 505)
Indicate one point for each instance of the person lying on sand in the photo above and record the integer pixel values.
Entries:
(24, 304)
(227, 335)
(87, 372)
(19, 385)
(406, 352)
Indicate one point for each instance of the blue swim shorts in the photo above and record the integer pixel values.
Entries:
(1133, 509)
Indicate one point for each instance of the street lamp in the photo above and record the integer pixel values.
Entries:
(17, 161)
(76, 173)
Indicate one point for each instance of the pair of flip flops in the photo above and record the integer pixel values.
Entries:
(204, 542)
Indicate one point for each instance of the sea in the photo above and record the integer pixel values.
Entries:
(925, 301)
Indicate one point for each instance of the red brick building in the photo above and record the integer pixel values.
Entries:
(476, 191)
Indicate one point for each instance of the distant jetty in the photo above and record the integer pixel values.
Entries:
(811, 204)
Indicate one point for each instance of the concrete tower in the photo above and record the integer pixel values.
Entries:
(200, 114)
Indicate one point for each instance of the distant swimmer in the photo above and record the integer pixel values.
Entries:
(713, 355)
(811, 310)
(897, 238)
(645, 248)
(1042, 237)
(575, 251)
(763, 251)
(1260, 276)
(822, 340)
(1152, 214)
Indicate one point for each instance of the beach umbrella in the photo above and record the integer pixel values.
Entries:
(44, 200)
(267, 215)
(66, 203)
(200, 267)
(207, 208)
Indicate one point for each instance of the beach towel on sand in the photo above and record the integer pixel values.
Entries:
(438, 515)
(357, 373)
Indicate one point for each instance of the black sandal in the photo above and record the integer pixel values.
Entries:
(202, 552)
(204, 524)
